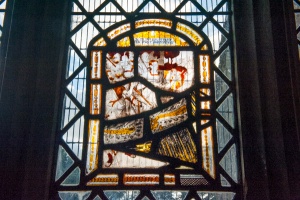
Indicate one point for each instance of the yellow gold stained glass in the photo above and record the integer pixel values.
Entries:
(95, 103)
(158, 38)
(204, 69)
(208, 163)
(153, 22)
(118, 31)
(93, 145)
(96, 64)
(192, 34)
(100, 42)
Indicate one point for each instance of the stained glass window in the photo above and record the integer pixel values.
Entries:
(148, 107)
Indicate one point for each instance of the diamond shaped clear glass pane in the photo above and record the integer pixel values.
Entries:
(226, 110)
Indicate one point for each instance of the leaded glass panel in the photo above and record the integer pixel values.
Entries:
(149, 105)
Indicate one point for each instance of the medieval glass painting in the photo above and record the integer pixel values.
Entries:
(148, 110)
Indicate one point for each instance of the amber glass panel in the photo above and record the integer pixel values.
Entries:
(104, 180)
(169, 179)
(192, 34)
(125, 42)
(204, 69)
(93, 145)
(100, 42)
(153, 22)
(96, 98)
(207, 151)
(96, 64)
(114, 33)
(141, 179)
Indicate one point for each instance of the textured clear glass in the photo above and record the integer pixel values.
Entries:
(74, 137)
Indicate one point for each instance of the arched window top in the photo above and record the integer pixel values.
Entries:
(151, 31)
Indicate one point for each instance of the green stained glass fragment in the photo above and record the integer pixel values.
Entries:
(229, 163)
(220, 86)
(74, 195)
(64, 162)
(224, 182)
(73, 179)
(223, 135)
(226, 110)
